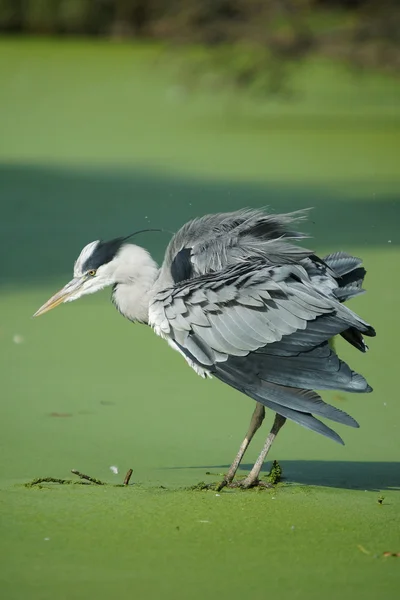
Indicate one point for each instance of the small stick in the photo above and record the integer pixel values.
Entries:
(87, 477)
(128, 477)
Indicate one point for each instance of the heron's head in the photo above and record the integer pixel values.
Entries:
(101, 264)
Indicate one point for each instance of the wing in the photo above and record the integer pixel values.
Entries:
(213, 242)
(265, 331)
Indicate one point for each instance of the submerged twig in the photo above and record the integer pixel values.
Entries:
(83, 480)
(87, 477)
(40, 480)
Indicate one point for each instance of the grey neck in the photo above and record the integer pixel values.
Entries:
(131, 302)
(134, 282)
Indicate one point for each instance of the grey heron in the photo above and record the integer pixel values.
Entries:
(243, 302)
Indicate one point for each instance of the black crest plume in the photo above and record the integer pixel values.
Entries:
(104, 252)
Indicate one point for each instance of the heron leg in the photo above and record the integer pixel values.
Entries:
(252, 478)
(255, 423)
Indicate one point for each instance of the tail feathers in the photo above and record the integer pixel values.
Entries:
(360, 384)
(353, 277)
(349, 274)
(342, 263)
(355, 338)
(304, 401)
(306, 420)
(349, 291)
(350, 284)
(319, 368)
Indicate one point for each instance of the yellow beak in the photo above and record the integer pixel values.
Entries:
(66, 292)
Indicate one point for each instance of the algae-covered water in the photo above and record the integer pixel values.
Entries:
(96, 141)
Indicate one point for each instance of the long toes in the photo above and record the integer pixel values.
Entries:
(246, 484)
(249, 483)
(264, 484)
(242, 483)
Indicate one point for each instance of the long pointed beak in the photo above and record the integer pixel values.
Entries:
(66, 292)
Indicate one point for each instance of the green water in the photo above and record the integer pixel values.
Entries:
(95, 141)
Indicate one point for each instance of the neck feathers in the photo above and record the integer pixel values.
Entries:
(134, 280)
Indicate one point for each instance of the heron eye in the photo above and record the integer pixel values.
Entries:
(92, 272)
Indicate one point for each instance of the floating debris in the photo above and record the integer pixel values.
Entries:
(114, 469)
(87, 477)
(83, 480)
(60, 415)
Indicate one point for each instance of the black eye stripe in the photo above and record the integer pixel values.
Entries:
(103, 253)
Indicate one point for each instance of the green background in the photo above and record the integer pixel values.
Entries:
(98, 140)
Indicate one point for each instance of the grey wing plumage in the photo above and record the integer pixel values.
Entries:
(213, 242)
(264, 330)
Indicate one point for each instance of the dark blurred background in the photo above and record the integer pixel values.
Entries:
(367, 32)
(266, 33)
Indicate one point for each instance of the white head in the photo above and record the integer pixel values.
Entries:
(102, 264)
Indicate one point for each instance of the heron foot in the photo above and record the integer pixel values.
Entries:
(244, 484)
(250, 482)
